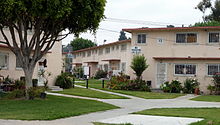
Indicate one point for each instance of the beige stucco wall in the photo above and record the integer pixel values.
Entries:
(54, 62)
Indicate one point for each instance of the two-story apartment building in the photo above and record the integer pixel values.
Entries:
(172, 53)
(51, 63)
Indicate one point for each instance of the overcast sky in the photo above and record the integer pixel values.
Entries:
(142, 13)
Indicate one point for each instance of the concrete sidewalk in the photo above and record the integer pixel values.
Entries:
(127, 106)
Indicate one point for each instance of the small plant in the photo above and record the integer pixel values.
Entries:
(118, 82)
(190, 85)
(216, 81)
(78, 72)
(211, 89)
(173, 87)
(19, 84)
(101, 74)
(35, 92)
(64, 81)
(138, 85)
(17, 93)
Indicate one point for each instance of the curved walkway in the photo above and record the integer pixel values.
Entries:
(127, 106)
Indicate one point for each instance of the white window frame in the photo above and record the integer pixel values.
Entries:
(186, 38)
(207, 68)
(125, 47)
(184, 73)
(141, 39)
(212, 42)
(7, 62)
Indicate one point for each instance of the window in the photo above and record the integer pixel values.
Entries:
(213, 68)
(213, 37)
(88, 53)
(185, 69)
(113, 48)
(123, 67)
(107, 50)
(141, 38)
(123, 47)
(117, 47)
(100, 51)
(84, 54)
(18, 65)
(3, 61)
(186, 38)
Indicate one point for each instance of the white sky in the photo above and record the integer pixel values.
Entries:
(167, 11)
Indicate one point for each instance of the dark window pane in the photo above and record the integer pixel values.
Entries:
(213, 37)
(190, 69)
(143, 38)
(212, 69)
(179, 69)
(180, 38)
(139, 38)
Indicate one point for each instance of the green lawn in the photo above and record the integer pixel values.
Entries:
(93, 83)
(90, 93)
(208, 98)
(211, 115)
(54, 107)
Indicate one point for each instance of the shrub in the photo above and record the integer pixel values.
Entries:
(138, 85)
(19, 84)
(17, 93)
(118, 82)
(190, 85)
(78, 72)
(139, 64)
(173, 87)
(100, 74)
(34, 92)
(216, 81)
(64, 81)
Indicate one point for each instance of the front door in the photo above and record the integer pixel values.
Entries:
(161, 74)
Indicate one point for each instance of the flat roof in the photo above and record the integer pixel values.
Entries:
(186, 58)
(130, 30)
(96, 47)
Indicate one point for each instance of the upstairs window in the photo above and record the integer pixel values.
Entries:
(3, 61)
(107, 50)
(123, 47)
(214, 37)
(83, 54)
(100, 51)
(186, 38)
(185, 69)
(88, 53)
(141, 38)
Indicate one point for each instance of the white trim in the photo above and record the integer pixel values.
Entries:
(174, 66)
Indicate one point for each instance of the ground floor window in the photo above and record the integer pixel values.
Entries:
(185, 69)
(3, 60)
(213, 68)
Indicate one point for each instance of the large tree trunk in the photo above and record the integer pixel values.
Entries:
(28, 79)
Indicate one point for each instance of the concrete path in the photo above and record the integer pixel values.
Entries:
(127, 106)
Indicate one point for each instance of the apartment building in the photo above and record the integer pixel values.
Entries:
(51, 63)
(172, 54)
(113, 57)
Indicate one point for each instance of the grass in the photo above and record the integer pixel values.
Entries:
(90, 93)
(208, 98)
(211, 115)
(54, 107)
(93, 83)
(97, 123)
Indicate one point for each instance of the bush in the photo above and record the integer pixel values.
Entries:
(173, 87)
(122, 82)
(19, 84)
(190, 85)
(216, 81)
(35, 92)
(64, 81)
(100, 74)
(78, 72)
(17, 93)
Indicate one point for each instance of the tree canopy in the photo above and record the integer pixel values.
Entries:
(47, 18)
(139, 64)
(80, 43)
(122, 36)
(207, 23)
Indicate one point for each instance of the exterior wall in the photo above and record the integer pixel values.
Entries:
(169, 48)
(54, 62)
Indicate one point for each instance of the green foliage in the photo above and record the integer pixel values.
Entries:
(122, 82)
(19, 84)
(101, 74)
(216, 81)
(190, 85)
(207, 23)
(80, 43)
(215, 13)
(34, 92)
(173, 87)
(17, 93)
(122, 36)
(78, 72)
(139, 64)
(211, 89)
(64, 81)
